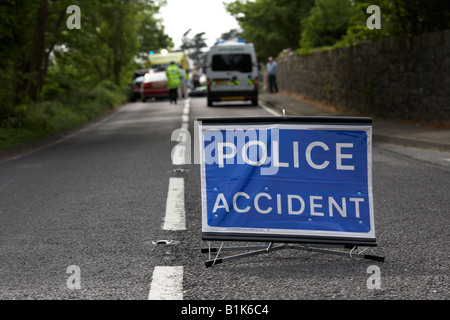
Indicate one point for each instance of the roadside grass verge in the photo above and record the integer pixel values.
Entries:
(36, 121)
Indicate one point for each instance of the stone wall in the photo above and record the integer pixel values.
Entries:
(401, 78)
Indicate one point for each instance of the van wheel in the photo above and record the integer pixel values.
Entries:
(254, 101)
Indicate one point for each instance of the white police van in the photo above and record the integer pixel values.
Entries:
(232, 72)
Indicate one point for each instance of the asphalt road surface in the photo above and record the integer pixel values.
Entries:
(85, 218)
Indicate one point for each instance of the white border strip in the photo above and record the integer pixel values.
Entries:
(359, 127)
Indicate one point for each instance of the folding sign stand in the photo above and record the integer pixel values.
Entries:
(272, 247)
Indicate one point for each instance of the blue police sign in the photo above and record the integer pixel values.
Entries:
(291, 180)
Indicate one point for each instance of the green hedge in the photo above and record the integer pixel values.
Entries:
(33, 121)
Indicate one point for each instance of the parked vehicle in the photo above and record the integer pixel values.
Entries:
(198, 92)
(135, 93)
(161, 59)
(232, 72)
(154, 86)
(140, 72)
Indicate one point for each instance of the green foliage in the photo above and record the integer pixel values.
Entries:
(193, 46)
(113, 40)
(413, 17)
(151, 31)
(327, 22)
(310, 25)
(272, 25)
(52, 77)
(37, 120)
(233, 34)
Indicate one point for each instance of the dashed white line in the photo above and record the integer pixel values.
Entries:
(185, 118)
(167, 284)
(187, 105)
(175, 218)
(186, 109)
(185, 126)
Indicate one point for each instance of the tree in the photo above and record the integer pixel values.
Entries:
(36, 42)
(151, 35)
(327, 22)
(17, 18)
(398, 18)
(40, 24)
(271, 25)
(233, 34)
(194, 46)
(413, 17)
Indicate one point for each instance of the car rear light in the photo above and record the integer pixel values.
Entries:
(208, 83)
(255, 82)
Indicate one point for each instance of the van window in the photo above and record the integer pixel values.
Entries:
(232, 62)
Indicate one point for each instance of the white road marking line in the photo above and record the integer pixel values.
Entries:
(186, 109)
(187, 105)
(175, 218)
(185, 126)
(271, 111)
(167, 284)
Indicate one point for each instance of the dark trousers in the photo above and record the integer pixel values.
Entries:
(173, 94)
(273, 83)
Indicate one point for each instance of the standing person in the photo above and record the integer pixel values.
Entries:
(173, 81)
(272, 69)
(196, 76)
(182, 82)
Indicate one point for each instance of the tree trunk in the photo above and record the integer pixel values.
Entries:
(38, 51)
(56, 33)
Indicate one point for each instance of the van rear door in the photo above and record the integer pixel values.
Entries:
(231, 71)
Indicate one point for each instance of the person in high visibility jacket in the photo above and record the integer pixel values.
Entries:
(173, 81)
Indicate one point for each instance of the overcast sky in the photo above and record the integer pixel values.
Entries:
(207, 16)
